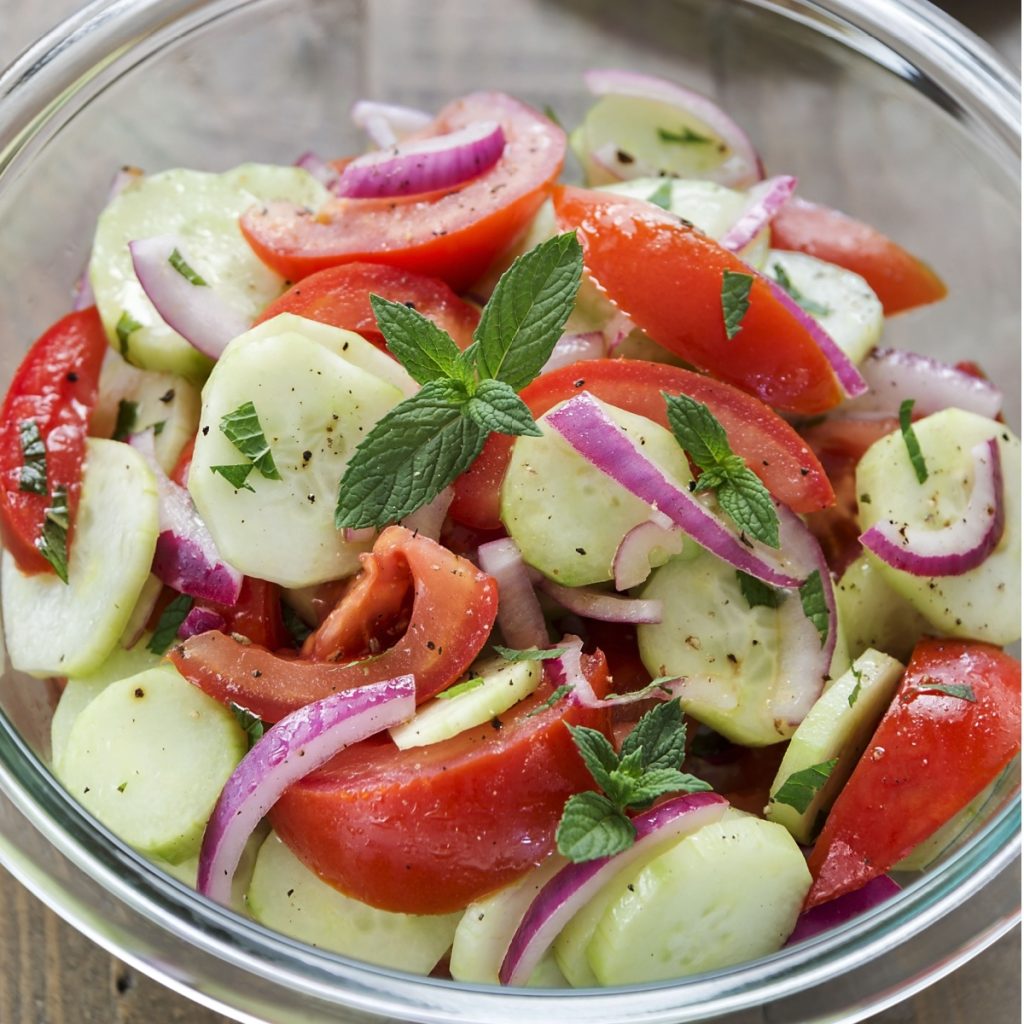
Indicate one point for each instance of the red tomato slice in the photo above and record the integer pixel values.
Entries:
(455, 235)
(256, 614)
(55, 386)
(931, 755)
(453, 609)
(180, 472)
(772, 448)
(340, 296)
(900, 280)
(666, 276)
(427, 830)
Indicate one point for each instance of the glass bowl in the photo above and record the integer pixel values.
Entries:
(886, 109)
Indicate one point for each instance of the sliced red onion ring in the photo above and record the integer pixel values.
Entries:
(959, 547)
(893, 375)
(632, 562)
(596, 604)
(574, 348)
(827, 916)
(319, 168)
(295, 746)
(428, 520)
(740, 170)
(519, 613)
(764, 201)
(200, 620)
(197, 312)
(583, 423)
(576, 884)
(186, 555)
(388, 123)
(424, 165)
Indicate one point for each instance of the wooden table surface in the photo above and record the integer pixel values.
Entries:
(50, 974)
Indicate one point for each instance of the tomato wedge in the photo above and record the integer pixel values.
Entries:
(952, 727)
(772, 448)
(453, 610)
(340, 296)
(455, 234)
(667, 277)
(427, 830)
(900, 280)
(55, 387)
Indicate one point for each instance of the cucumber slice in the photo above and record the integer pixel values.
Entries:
(983, 604)
(287, 896)
(729, 893)
(567, 517)
(840, 300)
(149, 756)
(56, 628)
(840, 725)
(314, 408)
(162, 401)
(504, 683)
(203, 209)
(547, 974)
(874, 615)
(80, 691)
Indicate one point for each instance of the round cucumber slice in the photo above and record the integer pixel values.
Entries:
(68, 629)
(285, 895)
(984, 603)
(149, 756)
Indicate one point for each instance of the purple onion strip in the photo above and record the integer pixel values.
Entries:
(764, 201)
(827, 916)
(519, 613)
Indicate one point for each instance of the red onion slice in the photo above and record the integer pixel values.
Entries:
(959, 547)
(893, 375)
(295, 746)
(428, 520)
(596, 604)
(617, 330)
(200, 620)
(358, 534)
(319, 168)
(764, 201)
(632, 562)
(740, 170)
(827, 916)
(574, 886)
(197, 312)
(574, 348)
(388, 123)
(425, 165)
(519, 613)
(582, 422)
(186, 556)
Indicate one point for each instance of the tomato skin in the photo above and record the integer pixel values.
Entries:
(930, 756)
(900, 280)
(340, 296)
(774, 450)
(180, 472)
(55, 385)
(667, 278)
(428, 830)
(256, 614)
(455, 234)
(453, 609)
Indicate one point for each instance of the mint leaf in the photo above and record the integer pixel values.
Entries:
(53, 541)
(179, 263)
(297, 629)
(735, 300)
(658, 782)
(530, 654)
(758, 593)
(800, 788)
(592, 827)
(685, 136)
(910, 439)
(409, 457)
(598, 754)
(236, 475)
(963, 691)
(699, 434)
(659, 736)
(251, 725)
(242, 428)
(662, 195)
(167, 627)
(426, 351)
(32, 476)
(858, 675)
(527, 311)
(127, 414)
(126, 326)
(496, 407)
(458, 689)
(812, 597)
(749, 505)
(808, 305)
(561, 692)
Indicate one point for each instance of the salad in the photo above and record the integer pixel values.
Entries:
(517, 581)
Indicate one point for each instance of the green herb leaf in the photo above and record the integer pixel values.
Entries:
(53, 541)
(460, 688)
(426, 351)
(910, 439)
(758, 593)
(242, 428)
(408, 458)
(963, 691)
(530, 654)
(562, 691)
(251, 725)
(684, 136)
(808, 305)
(158, 427)
(236, 475)
(598, 754)
(592, 827)
(167, 627)
(735, 300)
(660, 736)
(662, 195)
(749, 505)
(32, 477)
(496, 407)
(127, 414)
(800, 788)
(858, 675)
(658, 782)
(126, 326)
(812, 598)
(527, 311)
(179, 263)
(699, 434)
(297, 629)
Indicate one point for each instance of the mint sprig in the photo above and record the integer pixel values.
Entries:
(596, 825)
(735, 300)
(801, 787)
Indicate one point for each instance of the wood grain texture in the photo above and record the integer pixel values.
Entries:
(50, 974)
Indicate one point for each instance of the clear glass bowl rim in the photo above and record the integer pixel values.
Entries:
(33, 90)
